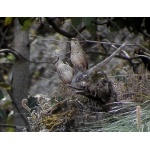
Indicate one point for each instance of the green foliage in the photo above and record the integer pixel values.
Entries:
(26, 22)
(134, 23)
(1, 95)
(88, 22)
(119, 22)
(5, 85)
(76, 21)
(8, 21)
(10, 57)
(32, 103)
(5, 116)
(10, 120)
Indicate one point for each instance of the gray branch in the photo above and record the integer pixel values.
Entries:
(107, 60)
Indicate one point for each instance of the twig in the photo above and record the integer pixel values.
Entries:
(41, 25)
(140, 56)
(90, 41)
(3, 36)
(19, 56)
(63, 32)
(107, 60)
(126, 34)
(104, 54)
(109, 43)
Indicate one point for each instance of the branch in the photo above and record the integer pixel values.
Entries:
(63, 32)
(3, 36)
(136, 57)
(12, 52)
(107, 60)
(38, 32)
(19, 56)
(104, 54)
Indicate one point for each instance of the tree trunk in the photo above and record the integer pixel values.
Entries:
(20, 78)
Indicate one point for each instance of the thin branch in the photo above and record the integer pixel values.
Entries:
(90, 41)
(19, 56)
(63, 32)
(11, 51)
(109, 43)
(107, 60)
(41, 25)
(136, 57)
(126, 34)
(104, 54)
(3, 36)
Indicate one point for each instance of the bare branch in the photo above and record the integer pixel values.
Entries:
(4, 36)
(63, 32)
(107, 60)
(104, 54)
(19, 56)
(10, 51)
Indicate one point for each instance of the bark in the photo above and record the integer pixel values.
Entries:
(20, 78)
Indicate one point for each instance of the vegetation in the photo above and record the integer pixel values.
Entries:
(32, 97)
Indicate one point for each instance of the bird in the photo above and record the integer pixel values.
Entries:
(78, 56)
(65, 72)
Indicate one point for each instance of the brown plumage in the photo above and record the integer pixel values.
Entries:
(65, 72)
(78, 56)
